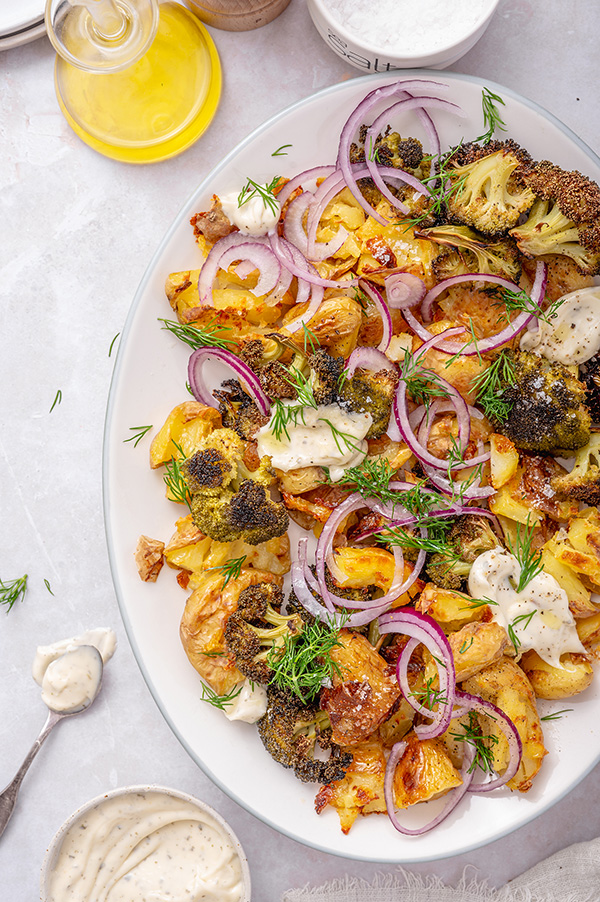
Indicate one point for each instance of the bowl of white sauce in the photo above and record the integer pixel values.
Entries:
(145, 842)
(383, 35)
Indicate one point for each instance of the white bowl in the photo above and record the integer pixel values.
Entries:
(370, 58)
(57, 840)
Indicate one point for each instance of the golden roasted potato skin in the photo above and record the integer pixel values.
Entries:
(186, 426)
(354, 567)
(425, 771)
(475, 646)
(364, 690)
(451, 610)
(573, 677)
(203, 625)
(588, 630)
(361, 790)
(506, 686)
(334, 326)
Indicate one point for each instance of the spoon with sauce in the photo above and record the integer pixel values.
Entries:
(70, 685)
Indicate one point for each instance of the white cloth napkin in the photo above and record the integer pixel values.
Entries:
(572, 875)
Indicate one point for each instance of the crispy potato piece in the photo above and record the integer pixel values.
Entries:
(189, 549)
(506, 686)
(397, 454)
(510, 502)
(580, 603)
(149, 558)
(364, 690)
(574, 676)
(229, 293)
(425, 771)
(335, 325)
(186, 425)
(353, 567)
(203, 625)
(393, 246)
(475, 646)
(361, 790)
(584, 535)
(294, 482)
(452, 610)
(588, 631)
(504, 460)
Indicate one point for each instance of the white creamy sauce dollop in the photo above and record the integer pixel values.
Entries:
(573, 335)
(70, 681)
(311, 441)
(253, 216)
(539, 615)
(146, 846)
(249, 704)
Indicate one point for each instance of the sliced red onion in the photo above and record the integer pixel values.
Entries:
(292, 257)
(370, 359)
(198, 385)
(382, 309)
(308, 275)
(238, 247)
(315, 251)
(403, 289)
(302, 179)
(467, 702)
(424, 629)
(493, 341)
(473, 491)
(452, 798)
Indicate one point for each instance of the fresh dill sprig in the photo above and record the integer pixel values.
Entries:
(209, 335)
(422, 385)
(303, 664)
(230, 569)
(556, 715)
(361, 298)
(473, 340)
(525, 619)
(475, 603)
(396, 535)
(138, 434)
(311, 342)
(57, 400)
(12, 591)
(281, 151)
(484, 754)
(343, 440)
(429, 695)
(265, 192)
(490, 386)
(175, 480)
(47, 584)
(219, 701)
(491, 115)
(440, 187)
(371, 478)
(112, 344)
(520, 301)
(284, 415)
(529, 559)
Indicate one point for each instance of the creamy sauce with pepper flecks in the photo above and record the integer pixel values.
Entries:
(538, 616)
(253, 216)
(573, 335)
(146, 846)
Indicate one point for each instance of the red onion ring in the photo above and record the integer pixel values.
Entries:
(308, 175)
(293, 229)
(198, 385)
(469, 702)
(370, 359)
(403, 289)
(424, 629)
(382, 309)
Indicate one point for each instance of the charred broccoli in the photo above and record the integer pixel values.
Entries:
(291, 731)
(583, 482)
(228, 501)
(390, 149)
(464, 251)
(545, 406)
(485, 187)
(469, 537)
(326, 372)
(589, 373)
(565, 218)
(368, 392)
(256, 628)
(238, 410)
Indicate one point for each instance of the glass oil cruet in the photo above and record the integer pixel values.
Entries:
(137, 80)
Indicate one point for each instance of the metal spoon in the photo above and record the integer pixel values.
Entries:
(8, 796)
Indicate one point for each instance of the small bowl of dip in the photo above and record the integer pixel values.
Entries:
(137, 841)
(401, 34)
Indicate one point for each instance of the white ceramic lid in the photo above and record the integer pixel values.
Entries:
(19, 15)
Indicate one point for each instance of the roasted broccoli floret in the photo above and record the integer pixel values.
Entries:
(238, 410)
(257, 627)
(391, 150)
(484, 188)
(373, 393)
(228, 501)
(565, 218)
(583, 482)
(291, 731)
(326, 372)
(469, 537)
(464, 251)
(545, 403)
(589, 373)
